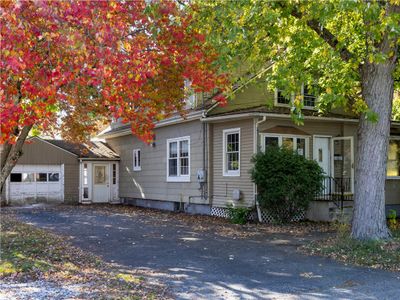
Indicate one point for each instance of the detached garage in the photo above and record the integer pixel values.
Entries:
(56, 171)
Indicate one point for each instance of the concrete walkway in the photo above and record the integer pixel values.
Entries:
(201, 264)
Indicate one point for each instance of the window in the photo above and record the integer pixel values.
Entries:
(85, 174)
(16, 177)
(136, 160)
(281, 99)
(308, 98)
(298, 144)
(393, 162)
(231, 140)
(85, 190)
(54, 177)
(178, 154)
(28, 177)
(41, 177)
(114, 173)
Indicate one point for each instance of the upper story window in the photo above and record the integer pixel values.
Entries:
(309, 99)
(137, 164)
(178, 159)
(299, 144)
(231, 145)
(393, 162)
(281, 99)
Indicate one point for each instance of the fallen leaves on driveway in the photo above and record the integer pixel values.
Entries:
(42, 259)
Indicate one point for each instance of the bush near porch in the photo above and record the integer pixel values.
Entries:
(287, 182)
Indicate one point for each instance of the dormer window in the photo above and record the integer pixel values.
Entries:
(308, 98)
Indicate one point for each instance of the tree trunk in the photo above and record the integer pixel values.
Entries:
(13, 155)
(369, 219)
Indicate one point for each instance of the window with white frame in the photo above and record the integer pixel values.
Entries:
(231, 145)
(137, 166)
(298, 144)
(309, 99)
(393, 161)
(178, 159)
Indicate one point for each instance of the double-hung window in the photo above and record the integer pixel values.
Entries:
(231, 150)
(137, 166)
(178, 159)
(298, 144)
(393, 162)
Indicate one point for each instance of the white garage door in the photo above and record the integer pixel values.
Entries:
(36, 182)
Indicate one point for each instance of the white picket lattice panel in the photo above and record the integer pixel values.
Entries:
(222, 212)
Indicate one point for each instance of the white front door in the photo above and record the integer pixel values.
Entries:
(101, 183)
(322, 153)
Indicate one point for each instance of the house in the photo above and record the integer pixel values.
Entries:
(201, 163)
(57, 171)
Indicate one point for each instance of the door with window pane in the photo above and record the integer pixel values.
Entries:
(343, 164)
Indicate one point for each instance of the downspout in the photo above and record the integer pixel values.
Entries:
(259, 215)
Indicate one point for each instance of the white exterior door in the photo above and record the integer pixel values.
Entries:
(322, 153)
(101, 183)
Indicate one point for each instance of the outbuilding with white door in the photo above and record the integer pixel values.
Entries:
(58, 171)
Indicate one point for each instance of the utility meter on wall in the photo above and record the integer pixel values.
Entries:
(201, 176)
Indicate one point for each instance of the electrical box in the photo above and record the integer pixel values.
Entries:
(201, 175)
(236, 195)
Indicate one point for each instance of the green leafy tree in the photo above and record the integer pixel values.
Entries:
(396, 107)
(346, 51)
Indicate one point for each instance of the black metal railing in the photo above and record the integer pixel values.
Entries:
(336, 189)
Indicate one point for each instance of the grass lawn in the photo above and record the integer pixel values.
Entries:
(374, 254)
(29, 254)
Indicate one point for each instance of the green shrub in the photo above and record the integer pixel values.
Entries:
(238, 215)
(392, 219)
(286, 182)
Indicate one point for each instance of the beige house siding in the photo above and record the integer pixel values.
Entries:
(151, 182)
(223, 186)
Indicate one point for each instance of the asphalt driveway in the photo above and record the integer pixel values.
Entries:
(204, 264)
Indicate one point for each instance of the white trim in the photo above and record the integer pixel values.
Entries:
(192, 116)
(137, 157)
(225, 172)
(280, 140)
(179, 177)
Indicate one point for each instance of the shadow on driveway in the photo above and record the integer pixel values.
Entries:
(197, 261)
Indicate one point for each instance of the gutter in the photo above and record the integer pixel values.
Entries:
(264, 118)
(166, 122)
(273, 115)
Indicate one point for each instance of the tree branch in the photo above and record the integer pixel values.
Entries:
(325, 34)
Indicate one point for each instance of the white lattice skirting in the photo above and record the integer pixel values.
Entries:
(252, 216)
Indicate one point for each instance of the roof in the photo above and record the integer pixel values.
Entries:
(89, 150)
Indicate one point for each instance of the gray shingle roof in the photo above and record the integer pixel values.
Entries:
(92, 149)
